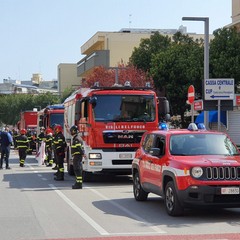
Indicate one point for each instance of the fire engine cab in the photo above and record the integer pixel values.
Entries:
(187, 167)
(111, 122)
(52, 114)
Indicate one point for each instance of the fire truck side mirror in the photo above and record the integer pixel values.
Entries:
(164, 109)
(40, 124)
(163, 106)
(93, 101)
(167, 117)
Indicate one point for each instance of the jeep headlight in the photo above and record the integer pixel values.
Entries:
(197, 172)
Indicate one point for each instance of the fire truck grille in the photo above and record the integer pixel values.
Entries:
(122, 137)
(223, 173)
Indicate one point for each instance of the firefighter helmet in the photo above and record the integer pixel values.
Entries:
(49, 130)
(73, 130)
(58, 128)
(23, 131)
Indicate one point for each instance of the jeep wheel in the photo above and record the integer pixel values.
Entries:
(171, 201)
(139, 193)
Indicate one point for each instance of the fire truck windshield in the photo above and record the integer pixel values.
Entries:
(125, 108)
(56, 118)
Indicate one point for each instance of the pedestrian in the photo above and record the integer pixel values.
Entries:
(22, 146)
(60, 148)
(6, 141)
(49, 147)
(77, 152)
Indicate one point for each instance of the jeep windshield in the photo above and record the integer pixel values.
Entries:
(202, 144)
(124, 108)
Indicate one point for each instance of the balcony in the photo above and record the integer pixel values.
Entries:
(97, 58)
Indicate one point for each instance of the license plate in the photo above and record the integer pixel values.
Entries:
(125, 155)
(229, 190)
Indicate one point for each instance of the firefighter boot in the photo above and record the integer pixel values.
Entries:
(55, 168)
(59, 176)
(77, 185)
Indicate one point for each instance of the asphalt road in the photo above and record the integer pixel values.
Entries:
(34, 206)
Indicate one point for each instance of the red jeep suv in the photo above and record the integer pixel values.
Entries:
(187, 167)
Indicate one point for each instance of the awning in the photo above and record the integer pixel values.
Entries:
(212, 117)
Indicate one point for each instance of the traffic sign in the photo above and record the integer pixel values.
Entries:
(219, 89)
(191, 94)
(198, 105)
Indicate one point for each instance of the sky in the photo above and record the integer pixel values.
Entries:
(37, 35)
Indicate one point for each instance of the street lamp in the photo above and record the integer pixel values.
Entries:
(206, 54)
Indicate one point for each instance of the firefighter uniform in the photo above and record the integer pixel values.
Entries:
(22, 146)
(60, 146)
(31, 140)
(49, 149)
(77, 152)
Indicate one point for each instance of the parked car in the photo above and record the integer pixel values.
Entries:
(188, 168)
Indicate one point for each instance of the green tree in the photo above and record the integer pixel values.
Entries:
(224, 54)
(66, 93)
(142, 56)
(176, 68)
(12, 105)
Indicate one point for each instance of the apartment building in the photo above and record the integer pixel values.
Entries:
(67, 77)
(236, 13)
(109, 49)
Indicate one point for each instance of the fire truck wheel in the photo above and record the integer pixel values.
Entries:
(87, 176)
(139, 193)
(171, 201)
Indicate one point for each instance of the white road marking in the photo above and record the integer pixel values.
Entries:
(132, 215)
(96, 226)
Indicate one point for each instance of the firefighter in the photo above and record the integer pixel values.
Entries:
(77, 152)
(54, 150)
(60, 146)
(22, 146)
(31, 139)
(49, 149)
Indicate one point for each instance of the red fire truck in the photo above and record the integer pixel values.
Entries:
(52, 114)
(111, 122)
(28, 121)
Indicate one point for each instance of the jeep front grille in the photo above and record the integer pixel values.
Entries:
(223, 173)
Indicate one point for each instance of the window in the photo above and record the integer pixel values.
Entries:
(125, 108)
(160, 143)
(148, 142)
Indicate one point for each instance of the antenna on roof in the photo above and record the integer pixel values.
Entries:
(130, 20)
